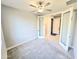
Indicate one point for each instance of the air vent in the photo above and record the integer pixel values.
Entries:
(70, 2)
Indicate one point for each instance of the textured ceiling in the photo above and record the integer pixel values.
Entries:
(56, 5)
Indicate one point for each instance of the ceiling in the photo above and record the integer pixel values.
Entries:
(56, 5)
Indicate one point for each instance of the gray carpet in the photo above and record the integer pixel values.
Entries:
(37, 49)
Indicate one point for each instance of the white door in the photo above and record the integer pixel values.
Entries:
(40, 25)
(65, 33)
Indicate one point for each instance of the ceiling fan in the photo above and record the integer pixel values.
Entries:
(41, 6)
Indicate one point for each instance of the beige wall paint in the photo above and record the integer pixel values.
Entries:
(49, 37)
(56, 24)
(18, 26)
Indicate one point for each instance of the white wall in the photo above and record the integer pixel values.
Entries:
(75, 43)
(3, 47)
(18, 26)
(75, 35)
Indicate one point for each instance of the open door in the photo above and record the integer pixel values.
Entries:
(65, 33)
(40, 25)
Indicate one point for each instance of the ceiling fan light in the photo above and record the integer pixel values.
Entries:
(40, 10)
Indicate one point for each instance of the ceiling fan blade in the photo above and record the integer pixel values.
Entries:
(48, 10)
(34, 11)
(47, 4)
(32, 5)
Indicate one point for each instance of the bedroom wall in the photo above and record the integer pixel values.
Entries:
(3, 47)
(18, 26)
(47, 20)
(74, 41)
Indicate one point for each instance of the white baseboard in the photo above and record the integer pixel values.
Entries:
(18, 44)
(41, 37)
(64, 47)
